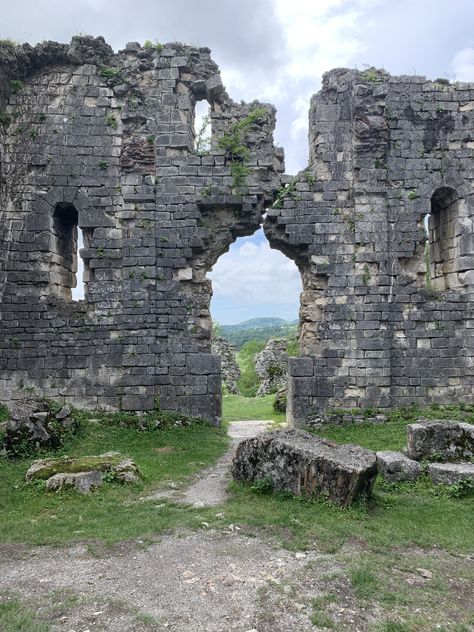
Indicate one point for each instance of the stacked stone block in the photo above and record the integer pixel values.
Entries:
(105, 142)
(378, 327)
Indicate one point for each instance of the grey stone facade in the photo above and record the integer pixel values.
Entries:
(376, 329)
(105, 142)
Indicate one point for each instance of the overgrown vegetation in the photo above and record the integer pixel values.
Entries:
(249, 380)
(235, 144)
(165, 446)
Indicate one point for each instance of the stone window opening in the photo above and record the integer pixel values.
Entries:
(258, 285)
(202, 127)
(67, 283)
(446, 233)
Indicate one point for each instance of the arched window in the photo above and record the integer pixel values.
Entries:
(202, 127)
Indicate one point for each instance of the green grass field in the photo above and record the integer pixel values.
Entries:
(371, 547)
(239, 408)
(404, 514)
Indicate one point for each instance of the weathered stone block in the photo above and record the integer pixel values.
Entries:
(440, 440)
(83, 473)
(396, 466)
(304, 464)
(83, 482)
(450, 473)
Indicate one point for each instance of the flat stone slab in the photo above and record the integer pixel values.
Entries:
(450, 473)
(83, 473)
(440, 440)
(396, 466)
(304, 464)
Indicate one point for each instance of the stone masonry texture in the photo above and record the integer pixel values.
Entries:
(105, 142)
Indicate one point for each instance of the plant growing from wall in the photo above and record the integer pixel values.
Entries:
(203, 138)
(234, 143)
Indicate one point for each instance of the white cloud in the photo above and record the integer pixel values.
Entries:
(253, 273)
(463, 64)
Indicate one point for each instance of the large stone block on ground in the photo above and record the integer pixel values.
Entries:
(304, 464)
(396, 466)
(83, 473)
(440, 440)
(450, 473)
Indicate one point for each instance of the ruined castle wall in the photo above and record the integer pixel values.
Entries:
(387, 311)
(105, 142)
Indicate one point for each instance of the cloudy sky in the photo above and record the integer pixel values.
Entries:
(276, 51)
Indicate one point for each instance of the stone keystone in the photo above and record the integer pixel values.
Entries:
(304, 464)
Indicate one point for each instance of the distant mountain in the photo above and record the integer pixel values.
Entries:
(255, 323)
(260, 329)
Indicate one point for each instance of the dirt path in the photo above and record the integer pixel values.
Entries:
(235, 580)
(210, 487)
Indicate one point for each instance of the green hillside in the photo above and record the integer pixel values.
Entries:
(258, 329)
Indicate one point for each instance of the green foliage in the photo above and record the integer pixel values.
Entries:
(159, 46)
(112, 121)
(363, 582)
(16, 85)
(412, 195)
(170, 451)
(113, 75)
(284, 192)
(234, 143)
(238, 408)
(371, 75)
(309, 177)
(293, 346)
(16, 617)
(148, 44)
(8, 43)
(103, 165)
(249, 381)
(280, 402)
(203, 136)
(4, 413)
(5, 119)
(260, 329)
(462, 489)
(262, 486)
(393, 626)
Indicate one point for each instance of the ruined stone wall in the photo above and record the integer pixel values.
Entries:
(388, 304)
(105, 142)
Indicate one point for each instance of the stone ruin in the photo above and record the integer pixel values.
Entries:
(105, 143)
(271, 365)
(230, 372)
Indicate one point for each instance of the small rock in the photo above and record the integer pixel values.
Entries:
(396, 466)
(450, 473)
(425, 573)
(64, 412)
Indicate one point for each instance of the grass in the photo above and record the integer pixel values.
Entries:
(374, 550)
(397, 515)
(3, 413)
(29, 514)
(239, 408)
(16, 617)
